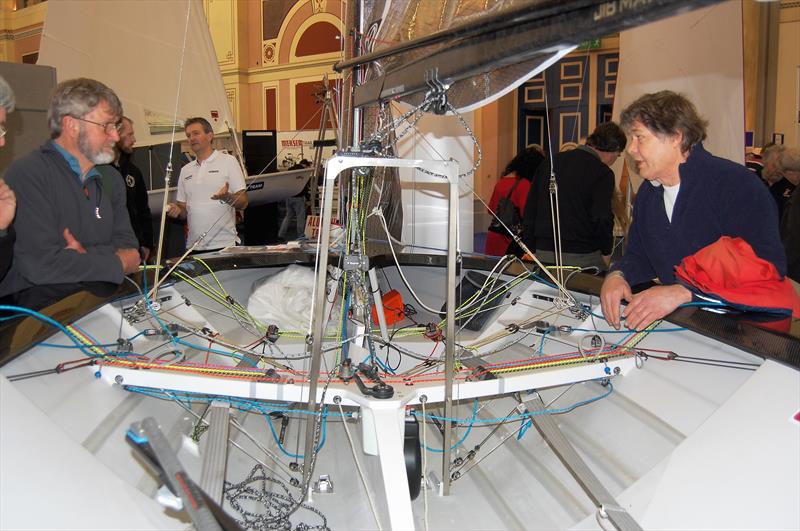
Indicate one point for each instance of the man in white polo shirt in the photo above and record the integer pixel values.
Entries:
(210, 190)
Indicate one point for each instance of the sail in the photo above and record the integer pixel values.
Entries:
(482, 49)
(387, 25)
(137, 48)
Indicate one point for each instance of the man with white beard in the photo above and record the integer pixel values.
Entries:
(72, 224)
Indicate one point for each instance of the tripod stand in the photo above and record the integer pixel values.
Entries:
(325, 97)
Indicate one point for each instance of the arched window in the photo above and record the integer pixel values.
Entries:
(320, 37)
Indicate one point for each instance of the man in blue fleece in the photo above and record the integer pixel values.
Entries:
(689, 200)
(72, 224)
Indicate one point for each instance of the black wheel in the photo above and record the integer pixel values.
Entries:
(413, 455)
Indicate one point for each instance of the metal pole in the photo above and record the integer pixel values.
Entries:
(318, 325)
(334, 168)
(351, 47)
(450, 338)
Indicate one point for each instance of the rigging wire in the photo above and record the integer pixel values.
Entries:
(380, 134)
(555, 218)
(168, 174)
(527, 418)
(338, 402)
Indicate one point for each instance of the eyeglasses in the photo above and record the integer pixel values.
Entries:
(3, 130)
(107, 127)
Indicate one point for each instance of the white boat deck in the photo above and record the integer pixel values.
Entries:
(680, 445)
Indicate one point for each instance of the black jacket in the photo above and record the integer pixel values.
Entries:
(780, 192)
(6, 251)
(790, 235)
(585, 188)
(136, 200)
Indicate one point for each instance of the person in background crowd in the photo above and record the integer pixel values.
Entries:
(514, 185)
(690, 200)
(790, 223)
(210, 190)
(296, 207)
(136, 190)
(8, 201)
(71, 223)
(770, 159)
(773, 174)
(585, 189)
(754, 162)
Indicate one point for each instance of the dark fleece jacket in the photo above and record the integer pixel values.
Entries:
(50, 198)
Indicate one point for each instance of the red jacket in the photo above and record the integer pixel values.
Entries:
(729, 269)
(496, 244)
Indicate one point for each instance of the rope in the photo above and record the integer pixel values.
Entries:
(358, 466)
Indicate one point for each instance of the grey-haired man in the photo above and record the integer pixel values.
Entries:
(71, 223)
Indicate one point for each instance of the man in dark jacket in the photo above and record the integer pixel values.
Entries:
(71, 223)
(135, 188)
(8, 201)
(585, 188)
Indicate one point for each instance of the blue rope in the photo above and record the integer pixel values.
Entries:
(466, 433)
(188, 397)
(677, 329)
(299, 456)
(106, 345)
(234, 355)
(524, 415)
(53, 345)
(53, 323)
(149, 307)
(379, 362)
(541, 342)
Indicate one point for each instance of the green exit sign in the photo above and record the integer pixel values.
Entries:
(593, 44)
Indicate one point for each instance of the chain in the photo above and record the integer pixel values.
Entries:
(417, 113)
(472, 137)
(317, 433)
(278, 504)
(382, 133)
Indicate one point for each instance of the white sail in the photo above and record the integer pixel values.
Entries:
(144, 50)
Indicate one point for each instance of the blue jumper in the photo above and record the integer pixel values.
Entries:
(717, 198)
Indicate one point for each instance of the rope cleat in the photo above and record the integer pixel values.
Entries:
(272, 334)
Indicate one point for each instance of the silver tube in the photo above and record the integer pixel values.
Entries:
(376, 296)
(450, 338)
(318, 326)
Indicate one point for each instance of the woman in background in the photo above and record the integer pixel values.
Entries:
(515, 186)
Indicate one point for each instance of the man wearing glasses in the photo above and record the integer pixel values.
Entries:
(72, 224)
